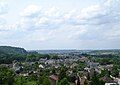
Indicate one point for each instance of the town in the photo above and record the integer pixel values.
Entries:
(64, 68)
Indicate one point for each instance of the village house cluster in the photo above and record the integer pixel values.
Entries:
(79, 68)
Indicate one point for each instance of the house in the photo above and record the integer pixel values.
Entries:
(93, 65)
(73, 77)
(107, 79)
(50, 62)
(111, 84)
(42, 60)
(84, 59)
(82, 81)
(41, 66)
(24, 74)
(74, 65)
(15, 64)
(108, 67)
(53, 79)
(86, 69)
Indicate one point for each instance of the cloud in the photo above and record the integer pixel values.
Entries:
(34, 18)
(3, 12)
(53, 12)
(94, 19)
(105, 13)
(3, 8)
(99, 22)
(31, 11)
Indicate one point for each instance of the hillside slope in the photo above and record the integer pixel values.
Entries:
(8, 54)
(12, 50)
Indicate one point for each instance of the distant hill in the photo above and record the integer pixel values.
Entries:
(105, 52)
(61, 51)
(12, 50)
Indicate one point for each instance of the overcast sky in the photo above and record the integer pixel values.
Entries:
(60, 24)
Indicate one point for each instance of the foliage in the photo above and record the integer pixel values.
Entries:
(9, 54)
(64, 81)
(104, 73)
(115, 71)
(62, 74)
(46, 81)
(6, 76)
(12, 50)
(86, 82)
(95, 80)
(81, 66)
(20, 80)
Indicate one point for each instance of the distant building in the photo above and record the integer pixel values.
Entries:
(15, 64)
(41, 66)
(17, 67)
(53, 79)
(93, 65)
(111, 84)
(108, 80)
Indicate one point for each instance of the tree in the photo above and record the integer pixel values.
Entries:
(78, 81)
(64, 81)
(33, 77)
(20, 80)
(86, 82)
(31, 57)
(62, 73)
(53, 71)
(94, 79)
(47, 56)
(46, 81)
(115, 71)
(6, 76)
(104, 73)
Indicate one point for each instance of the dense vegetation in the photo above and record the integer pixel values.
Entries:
(9, 54)
(107, 59)
(12, 50)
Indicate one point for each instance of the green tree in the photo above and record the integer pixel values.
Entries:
(6, 76)
(33, 77)
(104, 73)
(94, 79)
(20, 80)
(62, 73)
(64, 81)
(46, 81)
(115, 71)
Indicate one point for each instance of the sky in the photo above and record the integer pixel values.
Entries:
(60, 24)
